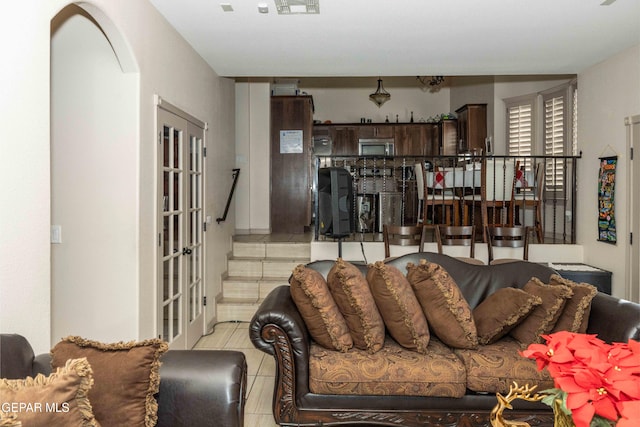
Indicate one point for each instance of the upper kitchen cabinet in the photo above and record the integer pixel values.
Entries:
(344, 139)
(369, 131)
(415, 139)
(472, 127)
(291, 133)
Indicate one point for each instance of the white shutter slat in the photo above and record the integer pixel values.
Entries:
(520, 133)
(554, 142)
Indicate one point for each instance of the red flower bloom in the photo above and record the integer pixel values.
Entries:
(599, 379)
(629, 414)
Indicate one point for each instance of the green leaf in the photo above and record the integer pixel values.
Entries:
(598, 421)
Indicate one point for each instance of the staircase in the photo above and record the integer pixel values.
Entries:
(257, 265)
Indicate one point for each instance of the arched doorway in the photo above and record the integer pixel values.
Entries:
(94, 184)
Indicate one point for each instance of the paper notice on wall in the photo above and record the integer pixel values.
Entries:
(291, 141)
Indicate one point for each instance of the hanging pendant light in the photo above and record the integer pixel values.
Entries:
(380, 96)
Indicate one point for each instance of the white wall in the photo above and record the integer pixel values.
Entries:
(607, 93)
(167, 66)
(253, 157)
(24, 150)
(94, 160)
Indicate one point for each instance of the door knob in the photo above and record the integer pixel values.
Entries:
(186, 251)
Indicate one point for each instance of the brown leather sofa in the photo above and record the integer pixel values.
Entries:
(278, 329)
(197, 387)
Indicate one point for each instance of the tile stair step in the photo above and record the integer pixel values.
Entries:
(271, 250)
(249, 249)
(239, 309)
(253, 270)
(267, 267)
(288, 250)
(250, 287)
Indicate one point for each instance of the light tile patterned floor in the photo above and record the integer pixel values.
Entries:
(261, 370)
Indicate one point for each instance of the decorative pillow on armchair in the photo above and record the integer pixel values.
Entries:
(9, 420)
(319, 311)
(575, 315)
(125, 378)
(448, 313)
(544, 317)
(351, 293)
(398, 306)
(57, 400)
(502, 311)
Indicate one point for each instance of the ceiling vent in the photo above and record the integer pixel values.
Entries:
(296, 7)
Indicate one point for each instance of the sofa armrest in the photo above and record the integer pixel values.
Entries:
(614, 319)
(278, 309)
(42, 364)
(277, 328)
(200, 386)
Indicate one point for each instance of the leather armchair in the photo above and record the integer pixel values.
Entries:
(196, 386)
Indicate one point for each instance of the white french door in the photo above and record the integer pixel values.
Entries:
(180, 233)
(632, 285)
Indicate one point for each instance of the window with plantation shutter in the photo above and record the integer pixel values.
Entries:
(554, 140)
(520, 129)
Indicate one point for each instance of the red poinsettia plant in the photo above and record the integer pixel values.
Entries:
(598, 384)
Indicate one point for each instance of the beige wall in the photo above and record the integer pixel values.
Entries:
(607, 93)
(94, 146)
(346, 100)
(179, 76)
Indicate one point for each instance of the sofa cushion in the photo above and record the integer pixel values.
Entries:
(575, 315)
(543, 317)
(351, 293)
(319, 311)
(399, 307)
(494, 367)
(394, 370)
(501, 312)
(57, 400)
(448, 314)
(125, 378)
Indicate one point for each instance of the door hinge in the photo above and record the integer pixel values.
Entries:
(160, 138)
(159, 239)
(204, 151)
(631, 238)
(204, 300)
(631, 153)
(204, 226)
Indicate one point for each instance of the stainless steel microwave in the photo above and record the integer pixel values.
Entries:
(376, 147)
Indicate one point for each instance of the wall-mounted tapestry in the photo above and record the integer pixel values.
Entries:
(606, 200)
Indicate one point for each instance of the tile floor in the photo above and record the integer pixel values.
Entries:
(261, 370)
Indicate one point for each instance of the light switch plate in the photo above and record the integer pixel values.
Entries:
(56, 234)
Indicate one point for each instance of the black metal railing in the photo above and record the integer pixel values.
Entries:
(236, 174)
(534, 191)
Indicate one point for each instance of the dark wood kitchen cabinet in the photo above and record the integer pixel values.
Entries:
(472, 127)
(415, 140)
(291, 133)
(448, 137)
(369, 131)
(345, 140)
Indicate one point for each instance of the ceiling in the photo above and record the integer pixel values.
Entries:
(406, 37)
